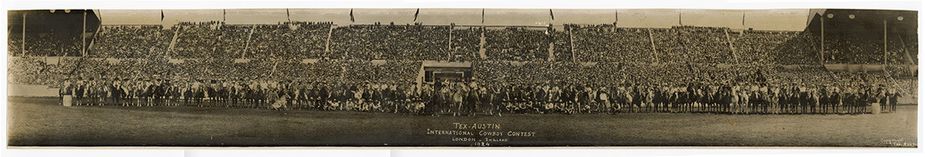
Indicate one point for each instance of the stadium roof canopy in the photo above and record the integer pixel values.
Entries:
(863, 22)
(59, 21)
(785, 19)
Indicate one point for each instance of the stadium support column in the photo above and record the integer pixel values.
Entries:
(173, 41)
(92, 42)
(732, 48)
(904, 48)
(10, 30)
(23, 44)
(822, 40)
(482, 42)
(571, 43)
(884, 43)
(247, 43)
(551, 52)
(550, 39)
(83, 36)
(449, 46)
(652, 42)
(345, 56)
(327, 42)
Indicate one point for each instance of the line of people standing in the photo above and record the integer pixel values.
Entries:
(469, 98)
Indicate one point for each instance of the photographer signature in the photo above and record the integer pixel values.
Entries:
(898, 142)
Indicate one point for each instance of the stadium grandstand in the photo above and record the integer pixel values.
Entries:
(484, 63)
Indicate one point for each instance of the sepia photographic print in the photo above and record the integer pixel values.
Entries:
(462, 77)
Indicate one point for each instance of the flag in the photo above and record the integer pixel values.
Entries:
(552, 16)
(416, 14)
(351, 16)
(483, 15)
(162, 15)
(743, 18)
(679, 18)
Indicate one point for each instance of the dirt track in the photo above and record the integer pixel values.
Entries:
(38, 121)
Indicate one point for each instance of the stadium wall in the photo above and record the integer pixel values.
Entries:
(20, 90)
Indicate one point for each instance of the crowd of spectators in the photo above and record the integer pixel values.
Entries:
(705, 44)
(322, 71)
(14, 46)
(394, 42)
(517, 44)
(234, 39)
(389, 71)
(45, 44)
(130, 41)
(610, 73)
(310, 39)
(912, 47)
(562, 46)
(799, 74)
(851, 49)
(497, 72)
(606, 56)
(897, 52)
(38, 71)
(35, 71)
(466, 43)
(729, 73)
(270, 41)
(198, 40)
(289, 40)
(759, 46)
(802, 48)
(605, 43)
(591, 43)
(668, 46)
(27, 70)
(901, 71)
(908, 86)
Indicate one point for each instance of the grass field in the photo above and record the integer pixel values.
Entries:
(40, 121)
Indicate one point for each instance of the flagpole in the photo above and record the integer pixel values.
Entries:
(743, 19)
(551, 15)
(616, 17)
(483, 16)
(679, 18)
(416, 12)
